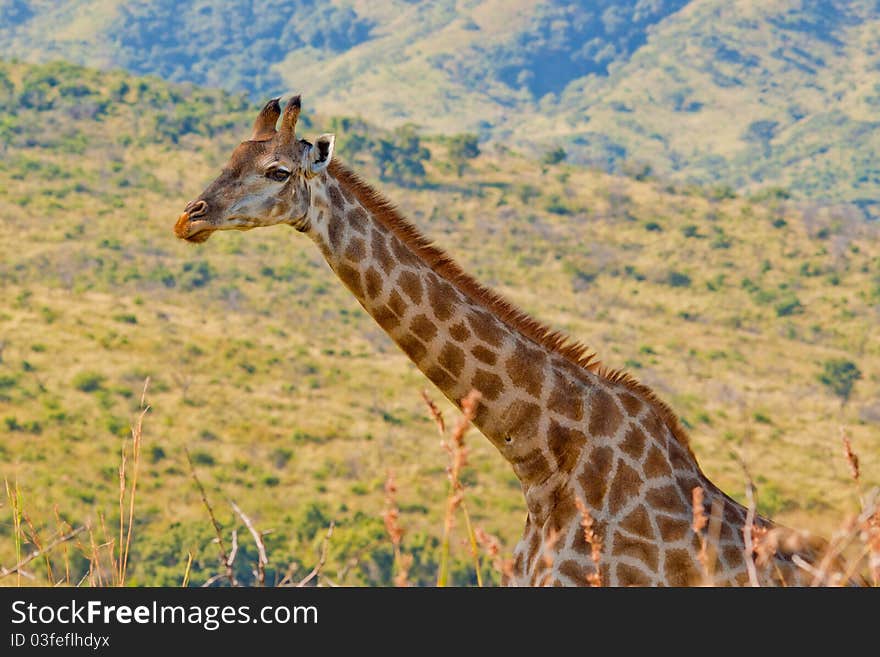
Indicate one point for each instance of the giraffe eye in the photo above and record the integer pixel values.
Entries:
(278, 174)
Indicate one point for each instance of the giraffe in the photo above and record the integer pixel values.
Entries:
(578, 436)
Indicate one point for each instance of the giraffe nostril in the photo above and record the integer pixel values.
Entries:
(196, 209)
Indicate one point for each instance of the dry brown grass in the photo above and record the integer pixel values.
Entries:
(850, 557)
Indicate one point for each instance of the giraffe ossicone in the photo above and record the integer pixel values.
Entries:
(577, 436)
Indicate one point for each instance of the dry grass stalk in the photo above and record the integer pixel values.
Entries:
(186, 572)
(391, 516)
(594, 578)
(226, 559)
(492, 547)
(13, 494)
(852, 458)
(457, 451)
(262, 557)
(60, 525)
(38, 543)
(137, 433)
(435, 414)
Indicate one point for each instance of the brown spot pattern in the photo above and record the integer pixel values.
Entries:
(566, 445)
(396, 303)
(605, 417)
(486, 327)
(459, 332)
(524, 369)
(442, 297)
(630, 576)
(656, 464)
(423, 327)
(335, 232)
(594, 476)
(638, 523)
(665, 497)
(352, 279)
(335, 197)
(385, 318)
(357, 219)
(440, 378)
(672, 529)
(633, 442)
(733, 554)
(403, 253)
(413, 347)
(637, 548)
(574, 571)
(380, 252)
(679, 568)
(531, 468)
(411, 285)
(625, 486)
(372, 283)
(678, 457)
(565, 398)
(521, 419)
(484, 355)
(356, 249)
(630, 403)
(488, 383)
(452, 358)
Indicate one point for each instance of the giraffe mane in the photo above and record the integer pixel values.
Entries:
(442, 263)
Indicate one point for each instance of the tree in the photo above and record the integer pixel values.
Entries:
(400, 157)
(840, 375)
(555, 156)
(462, 148)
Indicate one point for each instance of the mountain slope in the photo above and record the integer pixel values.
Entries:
(741, 93)
(294, 404)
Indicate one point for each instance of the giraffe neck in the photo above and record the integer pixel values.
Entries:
(534, 400)
(572, 434)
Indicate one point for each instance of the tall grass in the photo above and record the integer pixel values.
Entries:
(851, 556)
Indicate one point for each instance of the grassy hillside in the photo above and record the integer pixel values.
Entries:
(291, 400)
(748, 94)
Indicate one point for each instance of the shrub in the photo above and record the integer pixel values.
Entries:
(840, 375)
(678, 279)
(88, 381)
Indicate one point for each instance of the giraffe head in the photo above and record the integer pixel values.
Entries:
(265, 181)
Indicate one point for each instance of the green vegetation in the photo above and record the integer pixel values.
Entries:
(840, 375)
(291, 400)
(778, 100)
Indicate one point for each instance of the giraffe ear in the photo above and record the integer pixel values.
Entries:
(319, 155)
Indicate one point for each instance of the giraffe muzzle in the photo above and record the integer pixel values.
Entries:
(190, 226)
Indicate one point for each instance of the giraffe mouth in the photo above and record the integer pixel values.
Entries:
(193, 231)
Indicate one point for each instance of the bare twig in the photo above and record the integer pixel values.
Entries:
(17, 568)
(262, 559)
(316, 571)
(435, 414)
(225, 559)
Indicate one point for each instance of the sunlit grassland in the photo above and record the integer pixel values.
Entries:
(294, 404)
